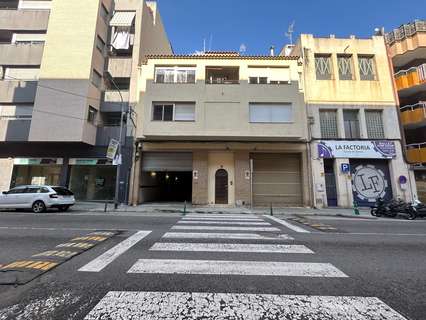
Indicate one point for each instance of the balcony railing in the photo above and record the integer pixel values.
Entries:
(416, 152)
(405, 31)
(412, 77)
(412, 114)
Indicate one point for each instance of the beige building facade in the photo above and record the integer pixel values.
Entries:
(355, 150)
(221, 129)
(67, 71)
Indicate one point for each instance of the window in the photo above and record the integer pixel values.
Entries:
(111, 119)
(62, 191)
(222, 75)
(271, 112)
(328, 124)
(351, 123)
(374, 123)
(182, 111)
(258, 80)
(16, 190)
(366, 67)
(96, 78)
(91, 116)
(345, 67)
(104, 13)
(16, 112)
(33, 190)
(323, 66)
(268, 75)
(100, 44)
(175, 74)
(21, 73)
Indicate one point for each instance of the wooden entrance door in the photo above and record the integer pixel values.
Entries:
(221, 187)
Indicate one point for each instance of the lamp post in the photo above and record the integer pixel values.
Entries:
(120, 136)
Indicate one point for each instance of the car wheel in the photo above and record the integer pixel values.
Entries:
(63, 208)
(38, 207)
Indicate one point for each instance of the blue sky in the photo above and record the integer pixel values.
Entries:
(262, 23)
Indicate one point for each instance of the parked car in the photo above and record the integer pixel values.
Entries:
(37, 198)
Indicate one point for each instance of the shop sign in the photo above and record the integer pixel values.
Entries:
(37, 161)
(89, 161)
(357, 149)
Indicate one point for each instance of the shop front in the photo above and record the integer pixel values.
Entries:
(360, 172)
(36, 171)
(92, 179)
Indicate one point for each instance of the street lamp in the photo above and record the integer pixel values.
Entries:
(120, 136)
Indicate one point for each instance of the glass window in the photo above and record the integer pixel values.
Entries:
(374, 123)
(351, 123)
(271, 113)
(100, 44)
(168, 113)
(96, 78)
(174, 75)
(345, 67)
(104, 13)
(366, 67)
(328, 124)
(91, 116)
(185, 112)
(157, 114)
(16, 191)
(62, 191)
(323, 66)
(32, 190)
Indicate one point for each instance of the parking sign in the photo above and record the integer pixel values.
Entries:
(345, 167)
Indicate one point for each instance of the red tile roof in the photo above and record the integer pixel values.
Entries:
(219, 55)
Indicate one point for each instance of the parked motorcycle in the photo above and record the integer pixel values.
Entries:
(392, 208)
(419, 209)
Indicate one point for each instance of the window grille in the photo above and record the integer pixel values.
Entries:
(328, 124)
(374, 123)
(345, 67)
(366, 67)
(323, 67)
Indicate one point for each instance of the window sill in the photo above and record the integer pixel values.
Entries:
(276, 122)
(174, 82)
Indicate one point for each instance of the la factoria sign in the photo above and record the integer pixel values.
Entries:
(380, 149)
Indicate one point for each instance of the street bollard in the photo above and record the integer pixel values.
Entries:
(356, 210)
(106, 206)
(272, 210)
(184, 208)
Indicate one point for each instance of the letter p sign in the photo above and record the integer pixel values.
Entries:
(345, 168)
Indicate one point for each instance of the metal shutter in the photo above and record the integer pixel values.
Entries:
(167, 161)
(277, 180)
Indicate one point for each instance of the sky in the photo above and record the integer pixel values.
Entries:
(256, 25)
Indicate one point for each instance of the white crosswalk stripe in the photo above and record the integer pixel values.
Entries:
(118, 305)
(230, 247)
(217, 235)
(221, 216)
(222, 228)
(222, 219)
(237, 223)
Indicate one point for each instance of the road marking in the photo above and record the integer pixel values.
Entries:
(109, 256)
(260, 229)
(248, 268)
(230, 247)
(30, 264)
(288, 225)
(222, 216)
(238, 223)
(117, 305)
(240, 236)
(221, 219)
(55, 229)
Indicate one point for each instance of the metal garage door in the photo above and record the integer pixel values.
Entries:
(277, 180)
(167, 161)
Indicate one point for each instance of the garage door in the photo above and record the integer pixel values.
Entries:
(167, 161)
(277, 180)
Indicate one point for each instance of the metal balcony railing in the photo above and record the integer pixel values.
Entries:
(410, 77)
(414, 113)
(416, 152)
(405, 31)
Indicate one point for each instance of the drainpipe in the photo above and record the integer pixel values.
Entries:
(401, 127)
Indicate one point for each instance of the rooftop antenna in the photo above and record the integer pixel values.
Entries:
(210, 42)
(243, 48)
(204, 45)
(290, 31)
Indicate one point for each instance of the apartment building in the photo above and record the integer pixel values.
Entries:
(221, 129)
(67, 70)
(407, 49)
(356, 153)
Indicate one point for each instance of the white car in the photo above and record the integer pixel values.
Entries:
(37, 198)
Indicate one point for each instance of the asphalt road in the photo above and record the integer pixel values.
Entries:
(225, 267)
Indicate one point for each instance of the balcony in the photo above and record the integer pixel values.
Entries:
(120, 67)
(112, 100)
(24, 20)
(21, 53)
(222, 75)
(416, 153)
(15, 91)
(414, 115)
(411, 81)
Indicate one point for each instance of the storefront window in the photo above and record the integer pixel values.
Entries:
(93, 182)
(35, 174)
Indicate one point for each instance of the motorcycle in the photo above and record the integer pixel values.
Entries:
(419, 208)
(392, 208)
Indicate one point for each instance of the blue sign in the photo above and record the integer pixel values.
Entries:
(345, 167)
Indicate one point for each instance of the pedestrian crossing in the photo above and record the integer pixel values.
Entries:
(263, 245)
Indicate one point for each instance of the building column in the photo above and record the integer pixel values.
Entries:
(64, 175)
(242, 178)
(200, 166)
(318, 177)
(343, 184)
(340, 124)
(6, 170)
(362, 124)
(306, 180)
(135, 177)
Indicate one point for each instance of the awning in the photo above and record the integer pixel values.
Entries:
(122, 19)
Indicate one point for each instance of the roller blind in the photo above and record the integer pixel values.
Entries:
(185, 112)
(271, 113)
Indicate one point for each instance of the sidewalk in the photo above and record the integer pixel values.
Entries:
(178, 208)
